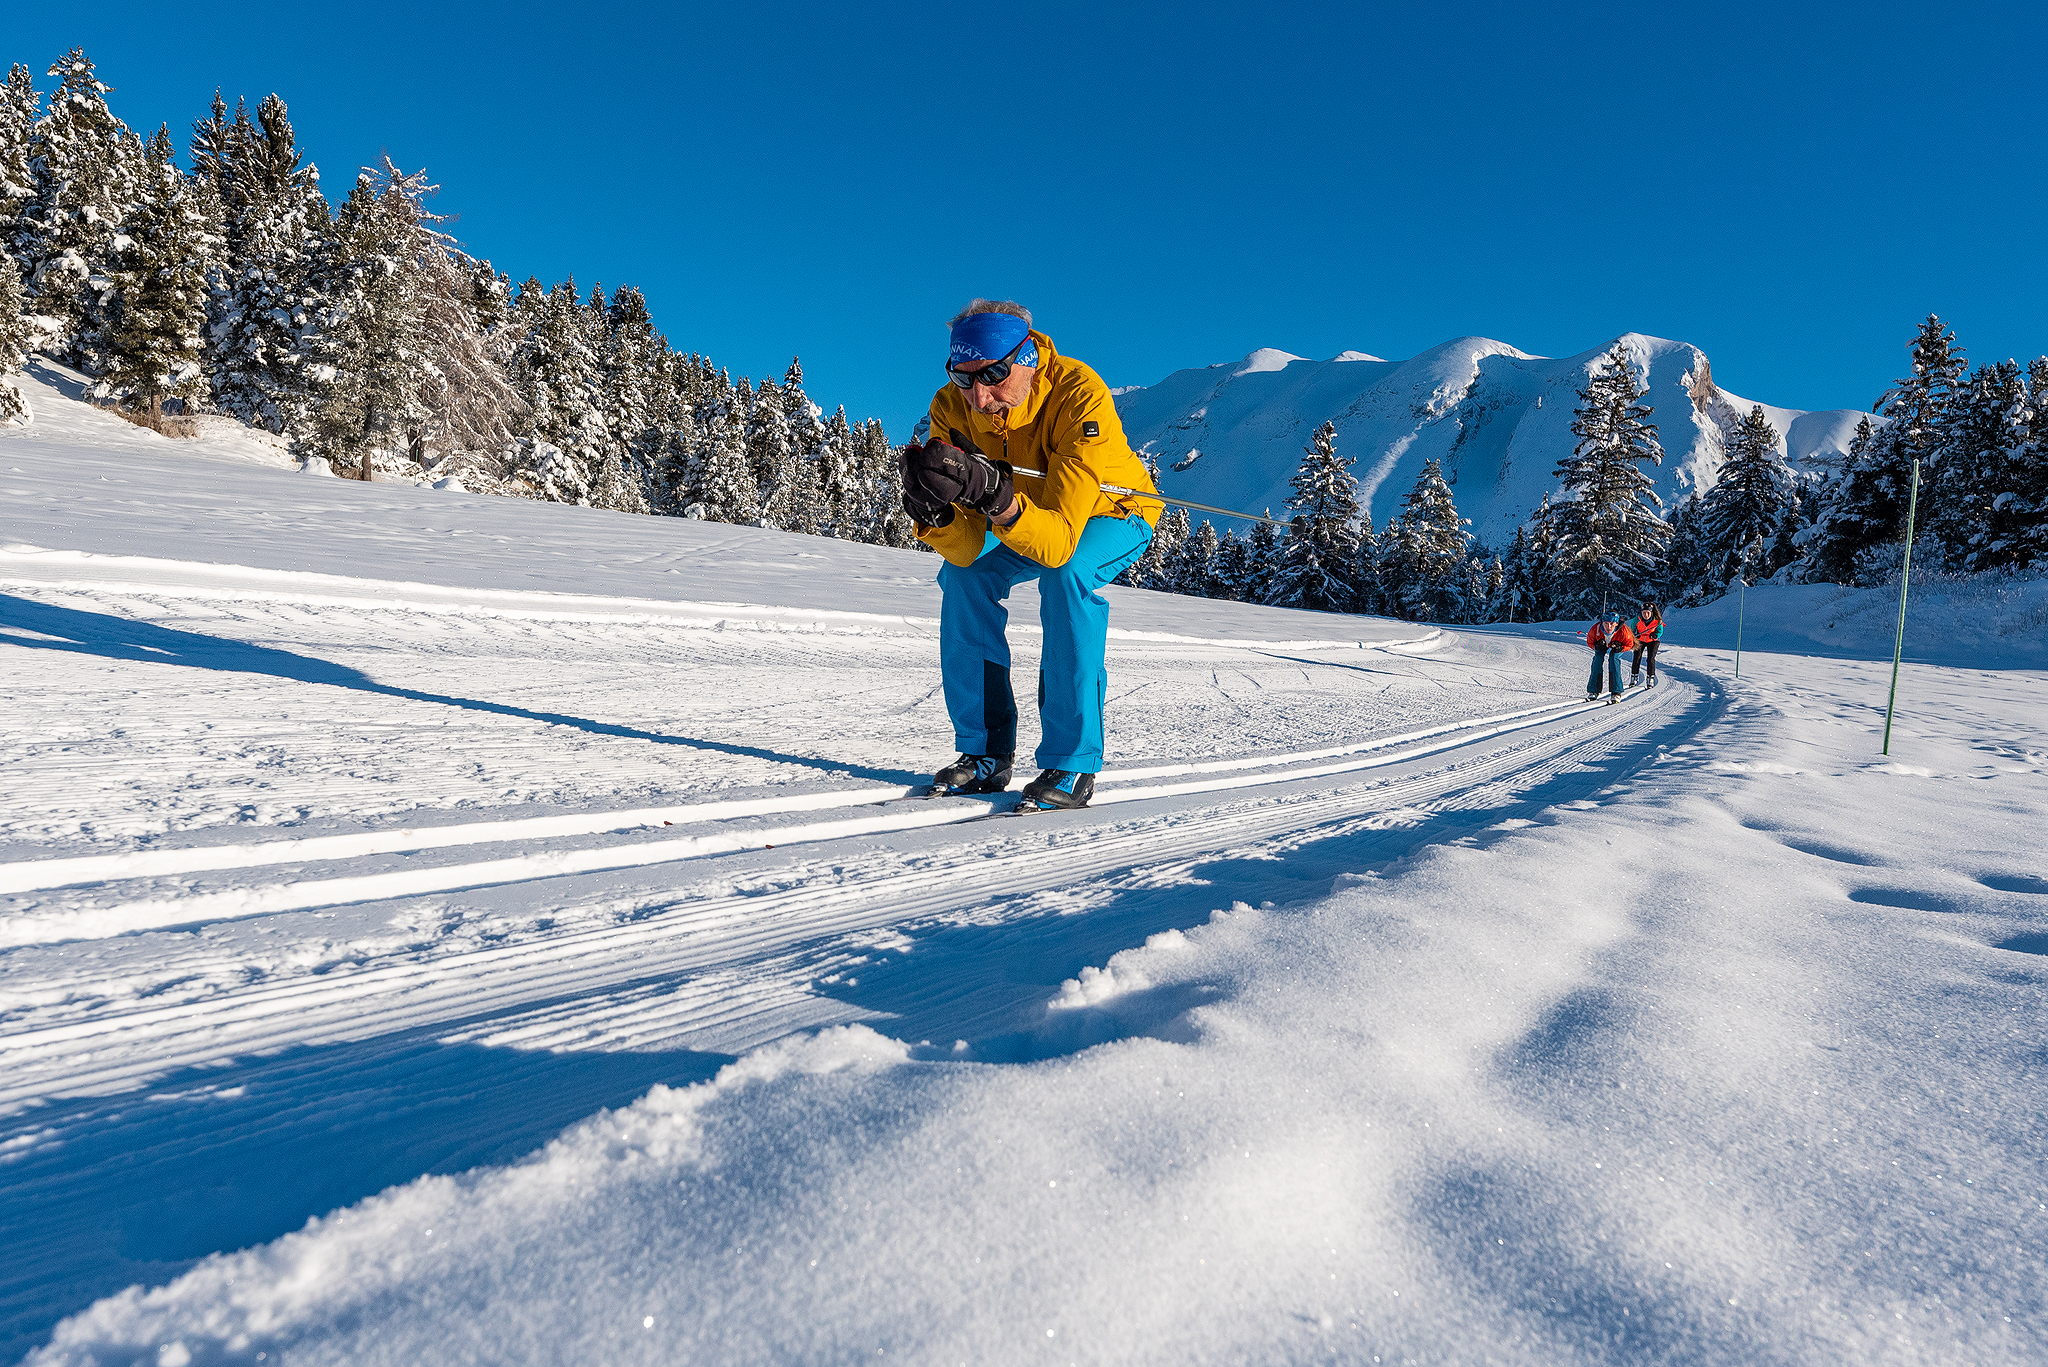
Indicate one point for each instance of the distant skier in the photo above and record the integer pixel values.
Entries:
(1011, 401)
(1649, 630)
(1610, 639)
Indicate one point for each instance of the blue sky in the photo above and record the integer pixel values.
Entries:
(1789, 187)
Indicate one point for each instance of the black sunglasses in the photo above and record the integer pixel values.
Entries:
(992, 374)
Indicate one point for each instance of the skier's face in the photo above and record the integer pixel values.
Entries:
(999, 398)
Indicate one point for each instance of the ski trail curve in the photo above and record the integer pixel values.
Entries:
(761, 936)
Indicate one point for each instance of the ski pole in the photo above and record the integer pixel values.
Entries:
(1181, 502)
(1905, 577)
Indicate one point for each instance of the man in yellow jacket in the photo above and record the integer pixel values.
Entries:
(1012, 403)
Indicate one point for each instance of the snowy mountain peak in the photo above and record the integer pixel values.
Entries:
(1264, 359)
(1497, 417)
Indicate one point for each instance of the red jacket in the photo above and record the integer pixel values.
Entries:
(1649, 629)
(1602, 636)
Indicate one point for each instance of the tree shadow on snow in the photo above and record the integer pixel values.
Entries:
(113, 1190)
(71, 631)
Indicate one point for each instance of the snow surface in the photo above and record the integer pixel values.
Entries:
(1499, 419)
(454, 929)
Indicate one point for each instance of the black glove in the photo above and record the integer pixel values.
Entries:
(927, 508)
(987, 487)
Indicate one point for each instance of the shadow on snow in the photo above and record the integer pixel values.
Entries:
(120, 638)
(135, 1187)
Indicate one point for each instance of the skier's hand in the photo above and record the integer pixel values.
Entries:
(941, 471)
(989, 487)
(927, 506)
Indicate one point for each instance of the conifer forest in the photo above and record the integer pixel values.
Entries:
(366, 337)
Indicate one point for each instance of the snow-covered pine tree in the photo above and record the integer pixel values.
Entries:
(1479, 590)
(1866, 509)
(1391, 566)
(1159, 567)
(370, 349)
(211, 148)
(605, 462)
(14, 342)
(558, 375)
(808, 511)
(674, 417)
(1740, 516)
(1320, 557)
(2020, 512)
(264, 303)
(1687, 579)
(1261, 562)
(1197, 577)
(1609, 540)
(1231, 569)
(1987, 442)
(1532, 576)
(839, 481)
(888, 524)
(156, 306)
(1785, 545)
(19, 106)
(87, 166)
(770, 453)
(1431, 548)
(1496, 584)
(632, 377)
(726, 490)
(1368, 594)
(1516, 600)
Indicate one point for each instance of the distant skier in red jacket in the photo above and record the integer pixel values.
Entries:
(1649, 630)
(1610, 638)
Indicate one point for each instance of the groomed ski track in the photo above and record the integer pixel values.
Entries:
(633, 973)
(624, 985)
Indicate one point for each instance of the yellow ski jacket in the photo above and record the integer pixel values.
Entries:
(1067, 426)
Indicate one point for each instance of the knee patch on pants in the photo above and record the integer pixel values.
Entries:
(999, 708)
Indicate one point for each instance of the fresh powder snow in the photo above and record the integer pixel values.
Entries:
(445, 929)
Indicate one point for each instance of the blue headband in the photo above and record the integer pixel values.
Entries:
(990, 337)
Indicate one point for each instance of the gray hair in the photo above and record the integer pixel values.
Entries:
(1009, 306)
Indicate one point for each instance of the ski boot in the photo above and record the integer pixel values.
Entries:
(1058, 788)
(971, 774)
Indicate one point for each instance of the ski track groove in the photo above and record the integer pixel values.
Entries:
(576, 978)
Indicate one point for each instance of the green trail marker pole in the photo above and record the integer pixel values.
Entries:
(1741, 605)
(1905, 575)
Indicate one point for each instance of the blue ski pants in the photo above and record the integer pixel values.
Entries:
(1613, 659)
(974, 654)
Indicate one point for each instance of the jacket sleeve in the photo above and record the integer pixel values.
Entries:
(1055, 515)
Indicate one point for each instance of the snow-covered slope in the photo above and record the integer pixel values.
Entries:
(1499, 419)
(444, 929)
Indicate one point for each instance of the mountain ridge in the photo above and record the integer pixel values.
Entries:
(1499, 419)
